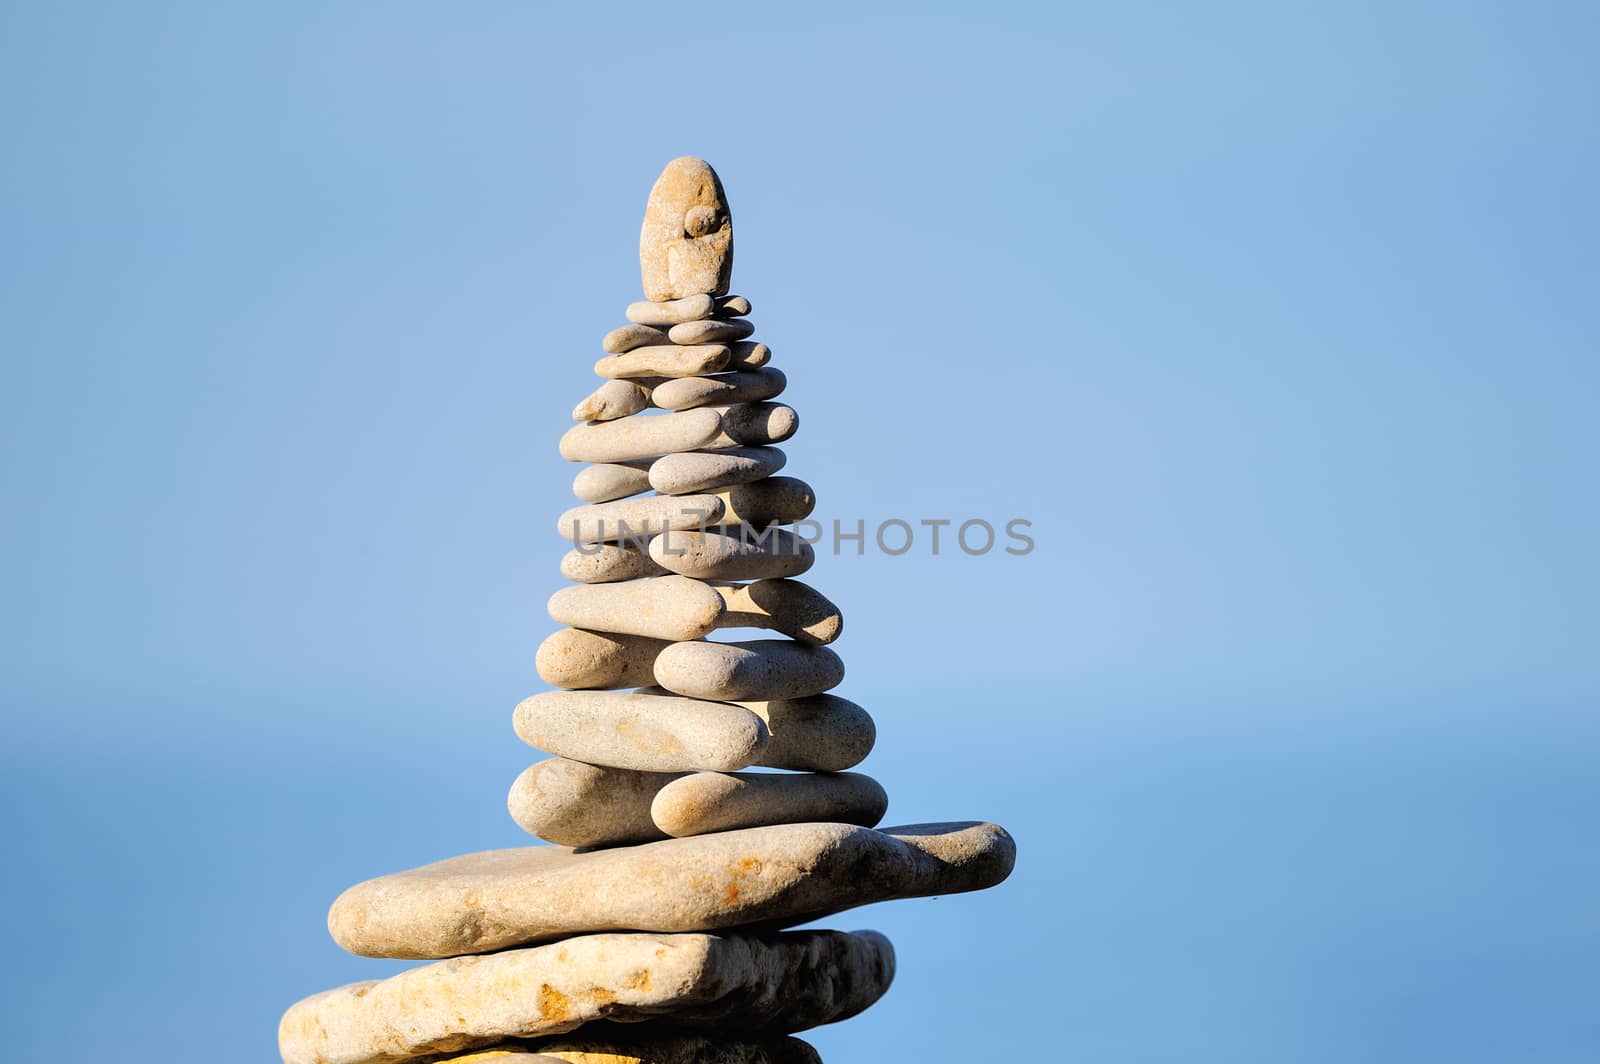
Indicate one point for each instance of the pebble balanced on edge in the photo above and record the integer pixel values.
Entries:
(648, 932)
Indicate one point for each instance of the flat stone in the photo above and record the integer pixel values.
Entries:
(670, 311)
(703, 802)
(759, 670)
(668, 361)
(595, 1044)
(707, 471)
(643, 436)
(650, 733)
(661, 607)
(732, 307)
(608, 481)
(686, 241)
(822, 733)
(574, 804)
(735, 983)
(605, 563)
(630, 336)
(612, 400)
(771, 501)
(733, 555)
(789, 607)
(751, 425)
(748, 355)
(575, 658)
(784, 874)
(504, 1056)
(742, 386)
(710, 331)
(630, 520)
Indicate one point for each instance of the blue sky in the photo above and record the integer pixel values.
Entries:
(1277, 322)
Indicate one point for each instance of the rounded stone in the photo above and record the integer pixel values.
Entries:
(632, 520)
(707, 471)
(668, 361)
(789, 607)
(820, 733)
(605, 563)
(752, 424)
(644, 436)
(686, 241)
(739, 554)
(650, 733)
(670, 311)
(774, 500)
(732, 307)
(748, 355)
(578, 658)
(612, 400)
(570, 803)
(661, 607)
(630, 336)
(703, 802)
(612, 480)
(710, 331)
(760, 670)
(742, 386)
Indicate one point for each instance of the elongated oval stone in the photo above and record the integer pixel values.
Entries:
(796, 610)
(648, 1045)
(612, 400)
(577, 658)
(651, 733)
(748, 355)
(741, 554)
(662, 607)
(732, 307)
(710, 331)
(605, 563)
(669, 361)
(686, 241)
(774, 500)
(742, 386)
(670, 311)
(707, 471)
(761, 670)
(642, 436)
(703, 802)
(821, 733)
(572, 804)
(633, 520)
(630, 336)
(753, 424)
(612, 480)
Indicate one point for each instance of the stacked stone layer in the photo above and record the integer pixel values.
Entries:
(698, 797)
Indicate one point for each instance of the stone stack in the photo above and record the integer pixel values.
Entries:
(651, 931)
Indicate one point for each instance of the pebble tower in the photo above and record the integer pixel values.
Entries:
(698, 799)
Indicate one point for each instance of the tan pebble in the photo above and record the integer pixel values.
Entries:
(631, 336)
(572, 804)
(747, 355)
(686, 241)
(789, 607)
(732, 307)
(710, 331)
(774, 500)
(642, 436)
(703, 802)
(577, 658)
(670, 311)
(612, 480)
(733, 554)
(612, 400)
(662, 607)
(651, 733)
(605, 563)
(821, 733)
(760, 670)
(708, 471)
(743, 386)
(632, 520)
(752, 424)
(668, 361)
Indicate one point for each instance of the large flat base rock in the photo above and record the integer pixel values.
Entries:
(729, 984)
(777, 875)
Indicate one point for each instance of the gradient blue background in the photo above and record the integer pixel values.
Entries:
(1278, 321)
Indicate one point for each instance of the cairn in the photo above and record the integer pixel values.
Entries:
(650, 931)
